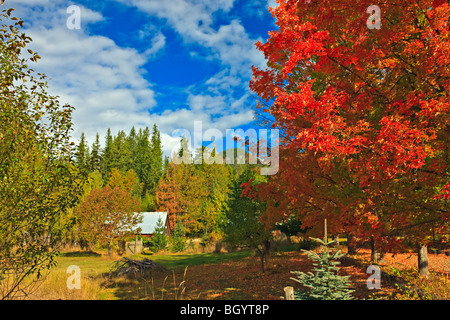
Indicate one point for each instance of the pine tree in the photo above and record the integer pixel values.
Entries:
(144, 158)
(324, 283)
(107, 156)
(166, 164)
(121, 152)
(82, 156)
(140, 156)
(159, 239)
(156, 164)
(96, 156)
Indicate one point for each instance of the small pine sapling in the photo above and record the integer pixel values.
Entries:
(159, 241)
(324, 283)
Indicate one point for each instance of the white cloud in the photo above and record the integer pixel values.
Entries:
(193, 20)
(158, 42)
(229, 44)
(106, 83)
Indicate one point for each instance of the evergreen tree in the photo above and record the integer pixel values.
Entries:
(166, 164)
(145, 159)
(159, 239)
(324, 283)
(96, 156)
(131, 142)
(142, 157)
(107, 156)
(184, 153)
(121, 152)
(291, 226)
(82, 157)
(156, 155)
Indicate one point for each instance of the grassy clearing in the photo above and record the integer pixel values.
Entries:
(180, 261)
(93, 269)
(96, 285)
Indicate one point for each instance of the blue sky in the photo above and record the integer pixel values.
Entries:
(140, 62)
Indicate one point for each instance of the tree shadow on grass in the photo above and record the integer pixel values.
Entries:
(80, 254)
(148, 286)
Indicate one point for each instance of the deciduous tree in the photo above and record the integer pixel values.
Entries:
(38, 182)
(372, 102)
(108, 215)
(243, 220)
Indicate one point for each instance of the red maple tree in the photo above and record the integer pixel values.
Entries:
(369, 106)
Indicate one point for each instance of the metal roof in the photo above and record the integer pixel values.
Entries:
(149, 221)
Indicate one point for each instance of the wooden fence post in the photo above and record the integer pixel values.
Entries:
(289, 293)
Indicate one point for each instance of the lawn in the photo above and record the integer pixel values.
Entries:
(233, 275)
(180, 261)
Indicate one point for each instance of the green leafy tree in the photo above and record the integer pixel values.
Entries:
(108, 215)
(38, 182)
(128, 182)
(216, 188)
(243, 226)
(177, 240)
(324, 283)
(292, 226)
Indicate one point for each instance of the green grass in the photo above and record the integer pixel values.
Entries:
(96, 285)
(175, 261)
(87, 262)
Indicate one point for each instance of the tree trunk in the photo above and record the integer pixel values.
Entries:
(375, 256)
(423, 261)
(336, 240)
(109, 249)
(262, 262)
(266, 249)
(351, 249)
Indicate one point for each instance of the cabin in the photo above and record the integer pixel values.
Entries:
(147, 227)
(150, 221)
